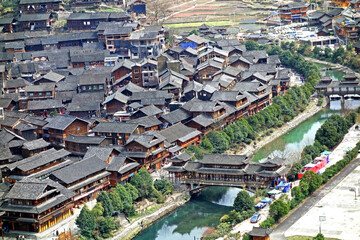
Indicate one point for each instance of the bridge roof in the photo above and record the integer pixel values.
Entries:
(225, 159)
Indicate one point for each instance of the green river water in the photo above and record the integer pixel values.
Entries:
(204, 210)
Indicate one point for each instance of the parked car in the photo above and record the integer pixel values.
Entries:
(255, 218)
(260, 205)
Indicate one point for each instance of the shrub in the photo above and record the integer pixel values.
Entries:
(268, 223)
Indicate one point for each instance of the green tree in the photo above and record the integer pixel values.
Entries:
(251, 45)
(143, 183)
(105, 201)
(243, 202)
(105, 225)
(319, 237)
(192, 149)
(116, 201)
(219, 141)
(206, 145)
(295, 169)
(314, 180)
(132, 190)
(279, 209)
(86, 222)
(98, 209)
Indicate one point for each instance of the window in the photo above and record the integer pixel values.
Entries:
(40, 94)
(145, 74)
(95, 87)
(101, 87)
(136, 71)
(83, 87)
(90, 87)
(31, 94)
(19, 202)
(77, 128)
(48, 93)
(136, 77)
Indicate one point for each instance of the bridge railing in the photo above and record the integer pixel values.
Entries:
(222, 182)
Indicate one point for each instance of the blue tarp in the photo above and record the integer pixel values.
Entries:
(188, 44)
(266, 200)
(139, 9)
(281, 184)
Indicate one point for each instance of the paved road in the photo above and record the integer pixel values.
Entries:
(278, 233)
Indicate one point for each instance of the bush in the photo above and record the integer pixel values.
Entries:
(268, 223)
(279, 209)
(243, 202)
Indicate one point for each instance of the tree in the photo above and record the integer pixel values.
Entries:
(106, 203)
(295, 169)
(251, 45)
(206, 145)
(279, 209)
(116, 201)
(243, 202)
(194, 31)
(86, 222)
(219, 141)
(319, 237)
(198, 154)
(132, 190)
(313, 179)
(157, 10)
(105, 225)
(143, 183)
(98, 209)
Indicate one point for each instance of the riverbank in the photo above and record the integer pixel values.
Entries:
(130, 230)
(310, 111)
(333, 65)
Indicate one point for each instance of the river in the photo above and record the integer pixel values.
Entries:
(191, 220)
(206, 208)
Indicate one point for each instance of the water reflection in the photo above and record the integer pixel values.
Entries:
(194, 218)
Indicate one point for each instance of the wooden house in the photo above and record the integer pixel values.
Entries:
(36, 205)
(79, 145)
(147, 149)
(86, 178)
(61, 126)
(39, 6)
(122, 168)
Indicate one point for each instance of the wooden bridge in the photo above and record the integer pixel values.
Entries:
(196, 185)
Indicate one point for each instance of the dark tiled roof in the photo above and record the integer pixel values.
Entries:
(82, 169)
(176, 116)
(34, 17)
(116, 127)
(44, 104)
(225, 159)
(147, 139)
(38, 1)
(102, 152)
(147, 121)
(36, 144)
(38, 160)
(61, 122)
(150, 110)
(179, 132)
(88, 16)
(118, 164)
(85, 139)
(260, 232)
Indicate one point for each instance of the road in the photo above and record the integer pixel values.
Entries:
(278, 233)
